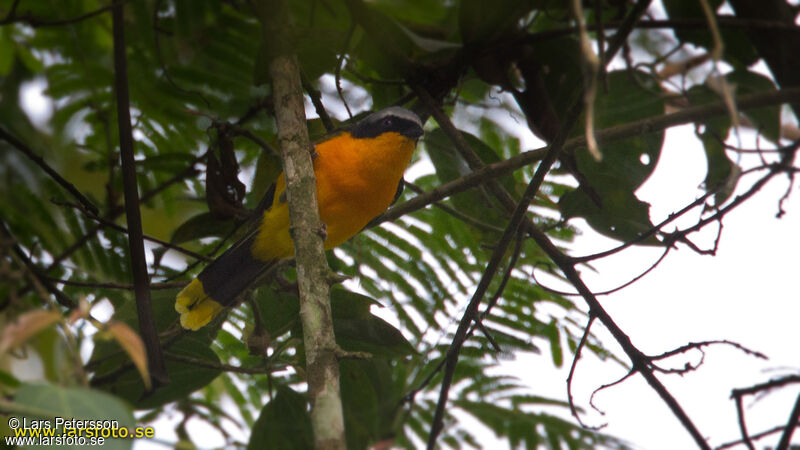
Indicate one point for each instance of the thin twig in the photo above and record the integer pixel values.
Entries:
(39, 161)
(157, 30)
(116, 212)
(753, 437)
(743, 424)
(572, 368)
(109, 224)
(696, 345)
(198, 362)
(640, 362)
(506, 276)
(467, 219)
(11, 12)
(498, 254)
(253, 137)
(122, 286)
(605, 386)
(316, 100)
(34, 271)
(771, 384)
(590, 64)
(339, 64)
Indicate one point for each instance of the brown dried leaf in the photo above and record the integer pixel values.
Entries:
(133, 346)
(26, 326)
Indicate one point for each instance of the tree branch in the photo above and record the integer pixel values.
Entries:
(109, 224)
(35, 272)
(122, 286)
(724, 21)
(69, 187)
(144, 308)
(640, 362)
(199, 362)
(753, 437)
(794, 416)
(791, 425)
(322, 367)
(636, 128)
(116, 212)
(316, 100)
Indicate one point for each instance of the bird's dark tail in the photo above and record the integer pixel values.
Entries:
(218, 286)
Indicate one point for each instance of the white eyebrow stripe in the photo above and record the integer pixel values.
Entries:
(396, 111)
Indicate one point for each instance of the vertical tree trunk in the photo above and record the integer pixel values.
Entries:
(322, 367)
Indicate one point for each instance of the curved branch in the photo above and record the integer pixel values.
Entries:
(572, 368)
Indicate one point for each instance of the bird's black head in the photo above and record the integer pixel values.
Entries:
(395, 118)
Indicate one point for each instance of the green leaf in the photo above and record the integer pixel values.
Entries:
(450, 165)
(381, 48)
(201, 226)
(766, 120)
(184, 378)
(268, 168)
(480, 21)
(261, 68)
(6, 51)
(424, 12)
(317, 50)
(107, 357)
(555, 344)
(559, 61)
(427, 44)
(358, 330)
(283, 424)
(625, 164)
(351, 305)
(369, 400)
(78, 403)
(8, 380)
(279, 310)
(719, 125)
(722, 172)
(738, 50)
(622, 216)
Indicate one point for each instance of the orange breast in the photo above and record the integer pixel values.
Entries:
(356, 181)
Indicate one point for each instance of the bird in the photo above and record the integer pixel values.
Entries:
(359, 173)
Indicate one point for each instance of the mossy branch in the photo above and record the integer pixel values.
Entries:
(312, 270)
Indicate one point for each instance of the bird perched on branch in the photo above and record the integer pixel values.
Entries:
(359, 173)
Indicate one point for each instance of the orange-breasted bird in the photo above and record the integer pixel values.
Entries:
(359, 173)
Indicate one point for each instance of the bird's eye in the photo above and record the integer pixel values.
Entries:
(387, 122)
